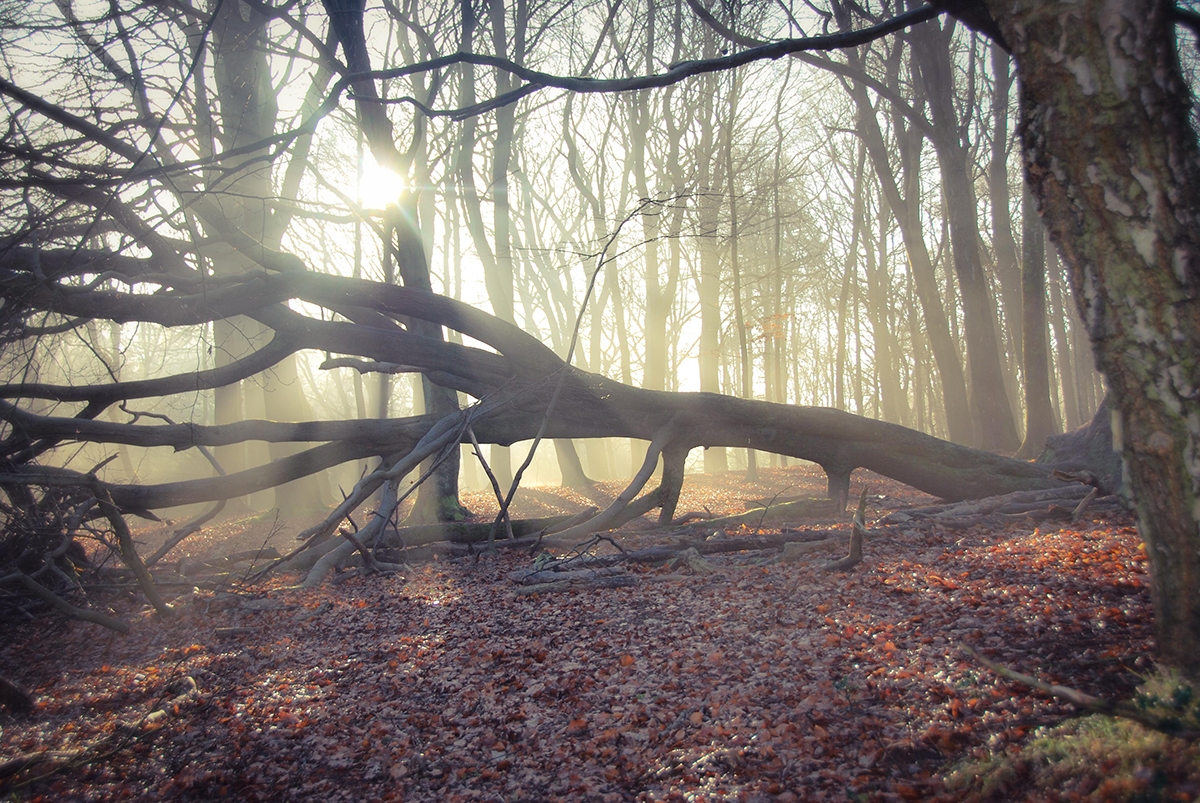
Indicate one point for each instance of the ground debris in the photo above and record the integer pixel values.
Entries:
(454, 683)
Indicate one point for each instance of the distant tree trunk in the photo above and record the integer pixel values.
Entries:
(437, 500)
(715, 459)
(945, 352)
(1004, 247)
(849, 272)
(1063, 355)
(248, 114)
(1039, 414)
(735, 267)
(892, 405)
(1113, 161)
(994, 426)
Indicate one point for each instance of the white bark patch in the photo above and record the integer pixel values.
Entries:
(1150, 187)
(1115, 203)
(1081, 68)
(1057, 169)
(1167, 393)
(1142, 330)
(1118, 44)
(1183, 384)
(1180, 264)
(1159, 442)
(1144, 240)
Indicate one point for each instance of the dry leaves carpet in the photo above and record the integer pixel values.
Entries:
(752, 683)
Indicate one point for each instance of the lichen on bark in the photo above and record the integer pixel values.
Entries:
(1113, 162)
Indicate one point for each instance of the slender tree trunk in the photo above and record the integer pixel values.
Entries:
(715, 459)
(1039, 413)
(739, 315)
(945, 351)
(1004, 247)
(993, 424)
(1058, 321)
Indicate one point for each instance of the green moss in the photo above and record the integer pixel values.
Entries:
(449, 509)
(1094, 758)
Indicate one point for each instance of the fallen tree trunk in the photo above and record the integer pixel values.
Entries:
(591, 406)
(513, 382)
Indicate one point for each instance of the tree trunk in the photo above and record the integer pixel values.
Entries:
(992, 420)
(1004, 247)
(715, 460)
(437, 499)
(1064, 357)
(1113, 161)
(1039, 414)
(945, 352)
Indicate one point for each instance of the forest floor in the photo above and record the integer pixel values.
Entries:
(750, 683)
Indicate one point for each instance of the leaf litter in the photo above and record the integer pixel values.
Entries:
(751, 683)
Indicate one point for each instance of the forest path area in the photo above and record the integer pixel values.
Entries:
(752, 682)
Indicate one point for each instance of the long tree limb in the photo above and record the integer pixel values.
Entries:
(64, 607)
(129, 552)
(604, 520)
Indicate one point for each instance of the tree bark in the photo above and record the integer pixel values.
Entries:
(1112, 159)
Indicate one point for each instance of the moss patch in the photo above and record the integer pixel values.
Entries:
(1095, 758)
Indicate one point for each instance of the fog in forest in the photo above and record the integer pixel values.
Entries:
(837, 228)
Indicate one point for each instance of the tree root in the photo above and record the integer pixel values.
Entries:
(1097, 705)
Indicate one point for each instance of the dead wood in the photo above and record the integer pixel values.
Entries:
(801, 506)
(797, 510)
(64, 607)
(591, 405)
(44, 761)
(1021, 504)
(579, 584)
(694, 515)
(857, 527)
(466, 532)
(368, 559)
(536, 576)
(129, 552)
(609, 517)
(820, 539)
(230, 632)
(1097, 705)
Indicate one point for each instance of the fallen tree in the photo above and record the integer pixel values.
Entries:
(515, 381)
(512, 376)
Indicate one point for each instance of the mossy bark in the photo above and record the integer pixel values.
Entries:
(1113, 162)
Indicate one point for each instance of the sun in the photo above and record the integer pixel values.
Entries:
(379, 186)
